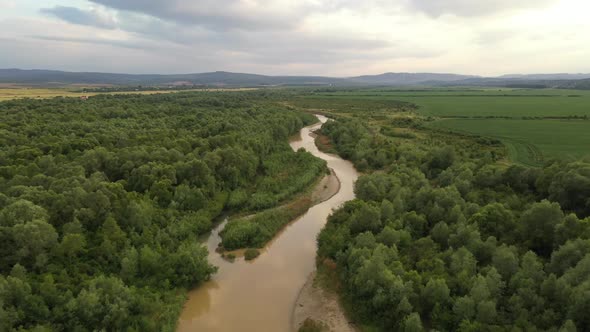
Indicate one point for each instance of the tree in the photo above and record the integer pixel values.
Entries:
(440, 233)
(368, 218)
(486, 312)
(20, 212)
(436, 292)
(105, 303)
(568, 326)
(34, 240)
(387, 210)
(505, 261)
(129, 264)
(464, 308)
(416, 224)
(441, 158)
(538, 225)
(495, 220)
(412, 323)
(111, 231)
(570, 187)
(189, 265)
(71, 246)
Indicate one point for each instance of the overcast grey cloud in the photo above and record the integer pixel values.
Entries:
(474, 7)
(309, 37)
(79, 16)
(214, 14)
(99, 41)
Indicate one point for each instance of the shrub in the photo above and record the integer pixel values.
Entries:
(251, 253)
(310, 325)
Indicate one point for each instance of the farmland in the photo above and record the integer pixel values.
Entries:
(534, 124)
(530, 141)
(9, 92)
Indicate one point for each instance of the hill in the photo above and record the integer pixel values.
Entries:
(218, 78)
(222, 78)
(408, 78)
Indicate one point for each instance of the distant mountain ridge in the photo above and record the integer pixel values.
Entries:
(409, 78)
(37, 76)
(559, 76)
(222, 78)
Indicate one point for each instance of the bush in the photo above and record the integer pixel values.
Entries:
(229, 257)
(251, 253)
(310, 325)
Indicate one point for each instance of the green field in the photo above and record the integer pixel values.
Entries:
(560, 128)
(530, 142)
(511, 103)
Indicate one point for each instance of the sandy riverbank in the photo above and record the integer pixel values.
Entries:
(320, 305)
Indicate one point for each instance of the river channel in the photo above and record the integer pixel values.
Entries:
(259, 295)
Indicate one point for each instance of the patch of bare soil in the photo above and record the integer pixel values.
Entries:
(326, 188)
(320, 305)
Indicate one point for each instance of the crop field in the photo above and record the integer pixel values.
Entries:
(530, 142)
(35, 93)
(512, 103)
(535, 125)
(11, 93)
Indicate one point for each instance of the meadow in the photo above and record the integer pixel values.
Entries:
(535, 125)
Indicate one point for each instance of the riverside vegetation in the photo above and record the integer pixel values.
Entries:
(102, 201)
(446, 235)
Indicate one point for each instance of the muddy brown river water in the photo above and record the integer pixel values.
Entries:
(259, 295)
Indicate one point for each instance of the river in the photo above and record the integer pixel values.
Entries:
(259, 295)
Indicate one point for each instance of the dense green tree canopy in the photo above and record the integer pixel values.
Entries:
(102, 200)
(442, 237)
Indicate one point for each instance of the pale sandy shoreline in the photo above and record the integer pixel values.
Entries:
(320, 305)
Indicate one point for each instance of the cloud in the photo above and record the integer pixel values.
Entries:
(7, 4)
(218, 14)
(263, 42)
(75, 15)
(314, 37)
(437, 8)
(99, 41)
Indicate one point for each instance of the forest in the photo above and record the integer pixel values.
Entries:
(446, 235)
(102, 201)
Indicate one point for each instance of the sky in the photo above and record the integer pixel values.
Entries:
(297, 37)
